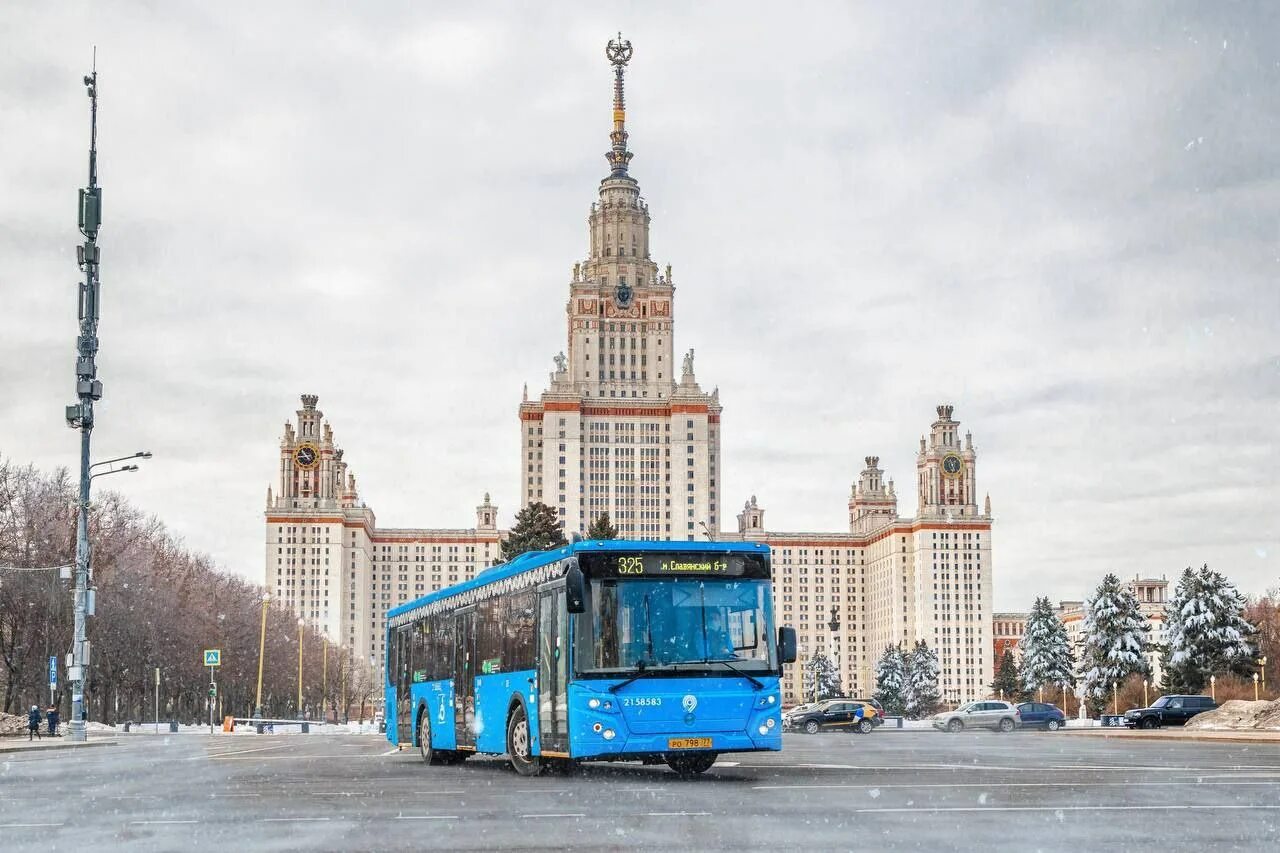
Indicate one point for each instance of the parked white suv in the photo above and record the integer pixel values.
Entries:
(984, 714)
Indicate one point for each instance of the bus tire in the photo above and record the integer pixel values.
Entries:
(429, 754)
(688, 766)
(520, 744)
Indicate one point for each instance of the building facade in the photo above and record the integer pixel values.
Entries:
(890, 580)
(620, 428)
(329, 562)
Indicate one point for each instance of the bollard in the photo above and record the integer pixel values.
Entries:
(173, 727)
(306, 728)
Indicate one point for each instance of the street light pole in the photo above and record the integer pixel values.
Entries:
(324, 680)
(80, 415)
(300, 624)
(262, 647)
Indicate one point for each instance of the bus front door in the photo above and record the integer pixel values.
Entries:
(464, 699)
(553, 673)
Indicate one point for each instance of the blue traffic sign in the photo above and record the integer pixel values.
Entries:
(53, 672)
(213, 657)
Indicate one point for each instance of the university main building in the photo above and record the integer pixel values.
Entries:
(622, 429)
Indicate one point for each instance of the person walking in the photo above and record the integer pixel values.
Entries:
(51, 716)
(33, 723)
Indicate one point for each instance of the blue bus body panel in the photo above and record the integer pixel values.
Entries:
(437, 699)
(649, 712)
(494, 697)
(389, 713)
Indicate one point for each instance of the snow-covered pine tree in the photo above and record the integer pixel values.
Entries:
(922, 696)
(1047, 659)
(1115, 636)
(1206, 632)
(822, 678)
(891, 676)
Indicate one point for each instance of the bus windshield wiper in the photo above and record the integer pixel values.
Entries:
(759, 685)
(641, 671)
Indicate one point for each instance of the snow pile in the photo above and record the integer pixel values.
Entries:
(1239, 714)
(13, 724)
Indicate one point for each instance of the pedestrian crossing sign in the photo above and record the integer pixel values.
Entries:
(213, 657)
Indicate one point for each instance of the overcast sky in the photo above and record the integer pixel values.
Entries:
(1066, 223)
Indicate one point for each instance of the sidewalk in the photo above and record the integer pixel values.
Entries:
(1240, 736)
(21, 744)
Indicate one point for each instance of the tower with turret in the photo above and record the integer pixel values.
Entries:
(622, 428)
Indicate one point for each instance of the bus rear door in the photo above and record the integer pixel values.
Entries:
(464, 685)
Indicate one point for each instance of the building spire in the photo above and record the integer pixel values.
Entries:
(619, 54)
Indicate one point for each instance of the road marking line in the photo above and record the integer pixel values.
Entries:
(676, 814)
(439, 792)
(909, 786)
(541, 791)
(289, 819)
(1197, 807)
(27, 825)
(240, 751)
(389, 752)
(140, 822)
(728, 763)
(574, 814)
(426, 817)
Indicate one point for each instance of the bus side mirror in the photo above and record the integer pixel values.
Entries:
(575, 588)
(787, 645)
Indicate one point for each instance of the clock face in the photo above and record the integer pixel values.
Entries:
(951, 465)
(623, 295)
(306, 456)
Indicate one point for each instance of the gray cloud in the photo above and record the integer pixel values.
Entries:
(1064, 221)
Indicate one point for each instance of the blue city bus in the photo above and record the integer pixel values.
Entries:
(599, 650)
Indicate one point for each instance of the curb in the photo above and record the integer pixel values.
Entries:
(1229, 737)
(56, 746)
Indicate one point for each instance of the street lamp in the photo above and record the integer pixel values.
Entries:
(1255, 687)
(1213, 687)
(707, 530)
(300, 624)
(1262, 662)
(834, 624)
(1145, 682)
(262, 647)
(84, 594)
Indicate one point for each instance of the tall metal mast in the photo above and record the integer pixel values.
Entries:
(80, 415)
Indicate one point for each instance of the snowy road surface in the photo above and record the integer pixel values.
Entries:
(887, 790)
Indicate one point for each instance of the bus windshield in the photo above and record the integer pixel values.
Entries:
(668, 622)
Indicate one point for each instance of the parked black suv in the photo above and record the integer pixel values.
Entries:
(1168, 711)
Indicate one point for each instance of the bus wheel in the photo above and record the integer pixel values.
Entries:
(429, 755)
(688, 766)
(519, 745)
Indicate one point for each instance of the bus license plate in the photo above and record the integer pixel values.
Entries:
(689, 743)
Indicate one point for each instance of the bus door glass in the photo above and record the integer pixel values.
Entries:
(404, 684)
(464, 700)
(553, 671)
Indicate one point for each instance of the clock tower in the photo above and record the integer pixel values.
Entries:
(945, 470)
(620, 429)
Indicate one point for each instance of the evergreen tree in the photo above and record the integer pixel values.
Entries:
(822, 678)
(891, 677)
(1047, 659)
(1007, 685)
(537, 528)
(1115, 637)
(1206, 631)
(602, 528)
(922, 681)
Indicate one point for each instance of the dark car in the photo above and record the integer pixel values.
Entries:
(1168, 711)
(847, 715)
(1042, 715)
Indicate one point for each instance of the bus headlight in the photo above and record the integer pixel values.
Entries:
(764, 730)
(597, 728)
(769, 722)
(593, 703)
(609, 734)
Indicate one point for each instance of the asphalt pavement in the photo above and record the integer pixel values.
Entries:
(884, 791)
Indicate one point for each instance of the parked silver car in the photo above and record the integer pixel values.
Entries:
(984, 714)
